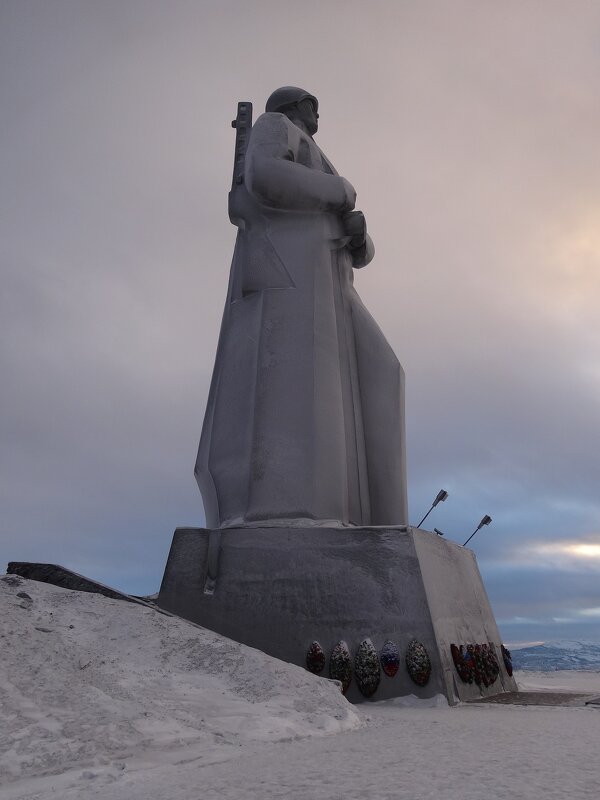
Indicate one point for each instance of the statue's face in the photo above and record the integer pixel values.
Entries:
(305, 112)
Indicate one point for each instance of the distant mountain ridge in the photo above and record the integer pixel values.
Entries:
(552, 656)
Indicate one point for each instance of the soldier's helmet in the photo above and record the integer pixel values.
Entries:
(288, 96)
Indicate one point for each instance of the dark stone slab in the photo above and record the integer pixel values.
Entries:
(593, 701)
(65, 578)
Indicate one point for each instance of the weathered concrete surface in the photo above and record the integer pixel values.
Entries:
(305, 414)
(460, 609)
(280, 589)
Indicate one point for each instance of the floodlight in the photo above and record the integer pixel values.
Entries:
(484, 521)
(440, 497)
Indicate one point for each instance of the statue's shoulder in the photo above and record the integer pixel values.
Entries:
(271, 120)
(274, 126)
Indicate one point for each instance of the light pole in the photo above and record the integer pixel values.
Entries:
(484, 521)
(440, 497)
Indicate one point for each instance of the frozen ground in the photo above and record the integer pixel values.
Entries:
(103, 699)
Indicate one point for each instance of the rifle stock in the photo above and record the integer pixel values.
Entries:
(242, 124)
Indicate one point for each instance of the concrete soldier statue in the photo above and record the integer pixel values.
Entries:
(307, 553)
(305, 417)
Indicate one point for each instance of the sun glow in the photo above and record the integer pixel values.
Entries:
(578, 256)
(585, 550)
(590, 612)
(578, 551)
(571, 270)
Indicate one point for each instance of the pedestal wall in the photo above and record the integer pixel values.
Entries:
(280, 589)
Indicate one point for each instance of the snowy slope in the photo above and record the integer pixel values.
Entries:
(105, 700)
(86, 681)
(551, 656)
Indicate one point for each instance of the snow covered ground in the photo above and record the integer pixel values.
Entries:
(105, 699)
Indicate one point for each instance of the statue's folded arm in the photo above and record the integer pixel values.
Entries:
(363, 255)
(275, 178)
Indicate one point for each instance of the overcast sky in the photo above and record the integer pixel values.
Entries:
(471, 131)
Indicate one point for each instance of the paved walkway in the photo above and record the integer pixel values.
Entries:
(540, 699)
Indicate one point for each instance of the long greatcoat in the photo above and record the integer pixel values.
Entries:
(305, 416)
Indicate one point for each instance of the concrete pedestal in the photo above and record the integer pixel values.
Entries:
(280, 589)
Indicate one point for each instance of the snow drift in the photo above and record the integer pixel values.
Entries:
(87, 681)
